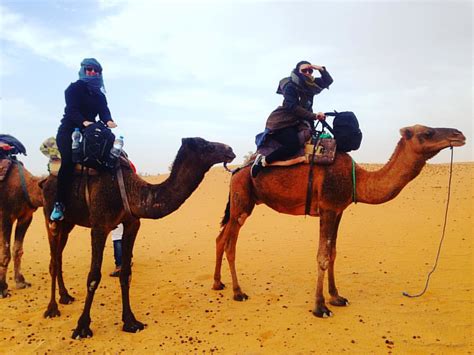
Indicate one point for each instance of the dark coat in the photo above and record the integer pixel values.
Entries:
(83, 104)
(298, 101)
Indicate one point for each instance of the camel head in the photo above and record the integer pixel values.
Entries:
(207, 153)
(427, 141)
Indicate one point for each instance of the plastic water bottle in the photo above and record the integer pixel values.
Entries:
(116, 149)
(76, 145)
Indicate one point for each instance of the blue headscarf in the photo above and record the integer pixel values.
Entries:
(95, 83)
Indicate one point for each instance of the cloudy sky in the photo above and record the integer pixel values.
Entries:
(176, 69)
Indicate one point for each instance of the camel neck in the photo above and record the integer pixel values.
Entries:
(157, 201)
(385, 184)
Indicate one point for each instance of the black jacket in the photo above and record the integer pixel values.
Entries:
(298, 101)
(83, 104)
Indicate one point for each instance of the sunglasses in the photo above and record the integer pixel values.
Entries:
(92, 69)
(307, 71)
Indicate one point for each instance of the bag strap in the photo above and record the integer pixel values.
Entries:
(23, 182)
(123, 192)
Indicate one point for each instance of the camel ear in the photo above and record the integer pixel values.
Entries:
(407, 133)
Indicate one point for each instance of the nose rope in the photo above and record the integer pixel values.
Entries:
(442, 237)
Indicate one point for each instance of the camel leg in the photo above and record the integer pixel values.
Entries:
(5, 255)
(55, 231)
(130, 323)
(220, 245)
(230, 248)
(98, 238)
(64, 296)
(336, 299)
(327, 233)
(21, 226)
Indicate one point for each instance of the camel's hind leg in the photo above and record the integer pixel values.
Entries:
(21, 227)
(64, 296)
(5, 254)
(98, 238)
(336, 299)
(240, 207)
(58, 233)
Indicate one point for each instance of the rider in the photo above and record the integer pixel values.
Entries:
(298, 91)
(85, 99)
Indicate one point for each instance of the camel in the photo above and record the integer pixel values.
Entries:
(332, 192)
(14, 206)
(105, 211)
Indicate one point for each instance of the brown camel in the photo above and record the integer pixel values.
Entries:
(105, 211)
(14, 206)
(332, 192)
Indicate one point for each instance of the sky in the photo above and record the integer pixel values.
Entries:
(210, 69)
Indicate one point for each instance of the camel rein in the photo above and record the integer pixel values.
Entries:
(442, 235)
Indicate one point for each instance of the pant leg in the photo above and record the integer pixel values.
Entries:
(289, 139)
(65, 174)
(118, 252)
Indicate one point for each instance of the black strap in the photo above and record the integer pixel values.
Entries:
(309, 190)
(123, 192)
(23, 182)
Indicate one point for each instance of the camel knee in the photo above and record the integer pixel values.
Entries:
(241, 219)
(323, 263)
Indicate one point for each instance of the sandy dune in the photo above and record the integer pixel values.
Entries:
(382, 251)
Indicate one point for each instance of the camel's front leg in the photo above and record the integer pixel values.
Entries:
(64, 296)
(20, 231)
(327, 226)
(336, 299)
(130, 323)
(5, 254)
(232, 230)
(54, 233)
(98, 238)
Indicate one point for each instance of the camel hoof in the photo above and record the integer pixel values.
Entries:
(322, 312)
(218, 286)
(339, 301)
(241, 297)
(52, 312)
(22, 284)
(5, 294)
(66, 299)
(81, 333)
(133, 327)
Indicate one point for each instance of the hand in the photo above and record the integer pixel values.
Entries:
(87, 123)
(318, 67)
(111, 124)
(320, 116)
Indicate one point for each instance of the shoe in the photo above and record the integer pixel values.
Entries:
(58, 212)
(257, 165)
(116, 272)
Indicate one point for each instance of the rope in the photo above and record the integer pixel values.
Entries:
(23, 183)
(354, 194)
(442, 237)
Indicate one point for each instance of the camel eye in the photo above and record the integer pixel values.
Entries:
(429, 133)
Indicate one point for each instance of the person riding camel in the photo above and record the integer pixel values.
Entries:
(298, 91)
(85, 99)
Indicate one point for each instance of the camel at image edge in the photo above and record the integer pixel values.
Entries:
(332, 193)
(15, 207)
(105, 211)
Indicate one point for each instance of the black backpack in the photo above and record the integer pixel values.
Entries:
(346, 131)
(97, 140)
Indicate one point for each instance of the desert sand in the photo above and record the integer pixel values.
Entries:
(383, 250)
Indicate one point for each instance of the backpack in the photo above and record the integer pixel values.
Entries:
(346, 131)
(97, 140)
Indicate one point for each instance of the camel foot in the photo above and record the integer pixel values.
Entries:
(241, 297)
(133, 326)
(52, 311)
(82, 332)
(22, 284)
(322, 312)
(218, 286)
(66, 299)
(4, 293)
(339, 301)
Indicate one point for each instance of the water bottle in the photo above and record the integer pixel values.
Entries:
(116, 150)
(76, 145)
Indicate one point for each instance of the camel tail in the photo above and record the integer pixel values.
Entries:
(226, 217)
